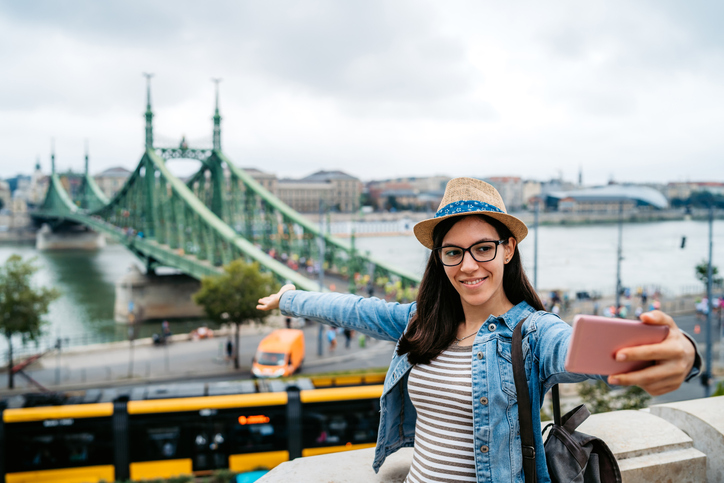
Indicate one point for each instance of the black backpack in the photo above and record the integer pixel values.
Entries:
(571, 456)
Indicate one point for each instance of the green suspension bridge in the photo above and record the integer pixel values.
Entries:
(219, 215)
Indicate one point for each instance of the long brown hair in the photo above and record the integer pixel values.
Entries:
(439, 310)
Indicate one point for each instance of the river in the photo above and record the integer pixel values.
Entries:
(570, 257)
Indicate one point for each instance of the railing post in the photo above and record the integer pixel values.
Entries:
(121, 458)
(3, 443)
(294, 422)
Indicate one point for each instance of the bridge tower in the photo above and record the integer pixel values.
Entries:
(149, 112)
(217, 119)
(148, 165)
(52, 156)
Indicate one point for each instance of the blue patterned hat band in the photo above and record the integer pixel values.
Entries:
(466, 206)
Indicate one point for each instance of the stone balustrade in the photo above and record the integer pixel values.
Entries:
(682, 442)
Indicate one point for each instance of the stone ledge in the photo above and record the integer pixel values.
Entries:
(685, 465)
(703, 420)
(679, 442)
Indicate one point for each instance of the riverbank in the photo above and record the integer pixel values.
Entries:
(544, 217)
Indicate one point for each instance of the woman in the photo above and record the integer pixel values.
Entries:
(449, 391)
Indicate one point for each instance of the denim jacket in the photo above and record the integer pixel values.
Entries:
(495, 409)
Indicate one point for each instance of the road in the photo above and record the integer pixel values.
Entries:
(203, 360)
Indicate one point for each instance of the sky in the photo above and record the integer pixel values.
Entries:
(631, 91)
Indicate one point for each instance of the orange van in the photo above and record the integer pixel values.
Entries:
(279, 354)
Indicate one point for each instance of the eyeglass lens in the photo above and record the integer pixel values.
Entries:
(481, 252)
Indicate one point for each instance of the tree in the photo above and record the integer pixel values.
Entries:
(598, 397)
(233, 295)
(22, 305)
(702, 273)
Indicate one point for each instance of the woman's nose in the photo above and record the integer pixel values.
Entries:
(468, 264)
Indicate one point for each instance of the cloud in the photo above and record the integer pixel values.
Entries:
(379, 88)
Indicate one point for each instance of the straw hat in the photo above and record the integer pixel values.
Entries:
(469, 196)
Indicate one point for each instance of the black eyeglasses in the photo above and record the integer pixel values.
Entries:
(483, 251)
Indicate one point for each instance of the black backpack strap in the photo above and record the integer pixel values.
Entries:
(525, 417)
(556, 400)
(574, 418)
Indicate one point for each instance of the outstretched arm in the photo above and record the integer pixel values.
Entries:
(372, 316)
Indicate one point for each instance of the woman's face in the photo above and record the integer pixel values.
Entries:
(480, 284)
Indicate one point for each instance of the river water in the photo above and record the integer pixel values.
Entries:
(570, 257)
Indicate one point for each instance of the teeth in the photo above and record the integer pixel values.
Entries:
(472, 282)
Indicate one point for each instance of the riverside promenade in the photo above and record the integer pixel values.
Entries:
(184, 359)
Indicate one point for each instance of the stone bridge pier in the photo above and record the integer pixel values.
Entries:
(141, 296)
(47, 239)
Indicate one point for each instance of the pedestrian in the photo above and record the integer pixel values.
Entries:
(555, 310)
(229, 349)
(288, 322)
(370, 288)
(332, 338)
(452, 363)
(347, 337)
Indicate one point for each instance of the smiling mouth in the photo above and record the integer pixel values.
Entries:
(472, 282)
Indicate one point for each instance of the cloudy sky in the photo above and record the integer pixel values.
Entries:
(632, 91)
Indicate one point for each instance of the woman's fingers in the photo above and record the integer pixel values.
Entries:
(271, 302)
(673, 359)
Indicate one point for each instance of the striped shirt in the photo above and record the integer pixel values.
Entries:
(442, 395)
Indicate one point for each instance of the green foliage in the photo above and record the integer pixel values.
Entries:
(22, 306)
(702, 274)
(719, 389)
(233, 295)
(600, 399)
(223, 476)
(219, 476)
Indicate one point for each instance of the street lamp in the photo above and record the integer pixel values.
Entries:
(619, 257)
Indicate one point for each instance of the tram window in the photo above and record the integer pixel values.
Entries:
(164, 441)
(339, 423)
(207, 437)
(43, 445)
(258, 429)
(161, 436)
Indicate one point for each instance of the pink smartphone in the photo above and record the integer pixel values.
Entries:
(595, 341)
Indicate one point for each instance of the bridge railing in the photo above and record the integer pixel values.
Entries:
(262, 218)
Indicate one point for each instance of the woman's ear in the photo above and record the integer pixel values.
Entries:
(510, 249)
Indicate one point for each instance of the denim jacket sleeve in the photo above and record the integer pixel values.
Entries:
(553, 337)
(371, 316)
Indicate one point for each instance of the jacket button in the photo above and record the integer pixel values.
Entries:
(484, 400)
(492, 327)
(480, 355)
(483, 449)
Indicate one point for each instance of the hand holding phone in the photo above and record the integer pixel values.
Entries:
(596, 340)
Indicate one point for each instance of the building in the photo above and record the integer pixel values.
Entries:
(266, 180)
(410, 193)
(510, 189)
(305, 196)
(6, 197)
(684, 190)
(607, 199)
(112, 180)
(346, 189)
(531, 189)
